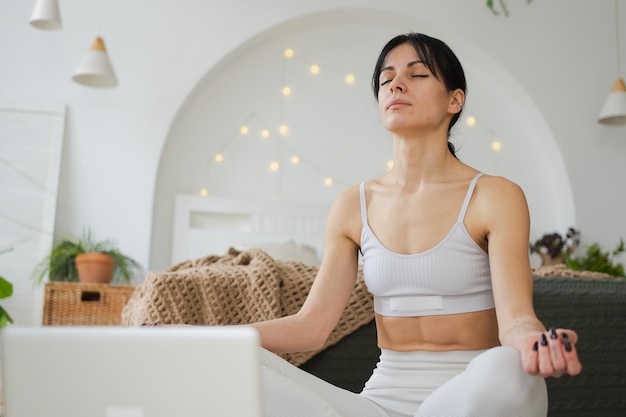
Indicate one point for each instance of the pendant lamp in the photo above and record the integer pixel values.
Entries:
(46, 15)
(95, 70)
(613, 112)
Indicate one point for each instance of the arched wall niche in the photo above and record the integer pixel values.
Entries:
(334, 127)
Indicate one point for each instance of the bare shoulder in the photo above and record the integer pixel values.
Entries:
(499, 190)
(347, 198)
(496, 183)
(501, 203)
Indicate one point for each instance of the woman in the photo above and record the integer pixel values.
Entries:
(445, 252)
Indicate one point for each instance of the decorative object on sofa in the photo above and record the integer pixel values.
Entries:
(95, 70)
(46, 15)
(553, 247)
(71, 259)
(599, 260)
(614, 110)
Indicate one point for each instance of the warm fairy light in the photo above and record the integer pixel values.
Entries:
(265, 133)
(283, 130)
(328, 181)
(244, 130)
(350, 78)
(274, 166)
(204, 192)
(315, 69)
(496, 145)
(295, 159)
(286, 91)
(471, 121)
(389, 165)
(219, 157)
(288, 53)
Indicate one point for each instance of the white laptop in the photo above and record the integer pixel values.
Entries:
(131, 371)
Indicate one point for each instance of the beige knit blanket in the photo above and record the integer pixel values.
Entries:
(238, 288)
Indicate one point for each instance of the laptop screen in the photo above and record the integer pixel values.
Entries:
(131, 371)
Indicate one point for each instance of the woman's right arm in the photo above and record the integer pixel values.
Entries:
(309, 328)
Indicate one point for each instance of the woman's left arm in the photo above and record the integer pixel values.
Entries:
(545, 352)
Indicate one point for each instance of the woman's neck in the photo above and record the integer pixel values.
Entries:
(421, 160)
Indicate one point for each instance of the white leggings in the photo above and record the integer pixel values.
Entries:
(486, 383)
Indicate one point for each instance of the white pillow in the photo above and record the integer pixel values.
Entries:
(289, 251)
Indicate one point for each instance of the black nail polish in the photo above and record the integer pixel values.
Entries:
(566, 343)
(536, 346)
(552, 333)
(544, 340)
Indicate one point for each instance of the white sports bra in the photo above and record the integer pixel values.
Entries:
(452, 277)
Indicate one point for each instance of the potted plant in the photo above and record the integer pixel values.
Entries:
(596, 259)
(86, 259)
(553, 247)
(6, 290)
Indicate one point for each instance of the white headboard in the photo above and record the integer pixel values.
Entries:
(210, 225)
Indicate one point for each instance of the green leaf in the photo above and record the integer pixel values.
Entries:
(598, 260)
(6, 288)
(5, 318)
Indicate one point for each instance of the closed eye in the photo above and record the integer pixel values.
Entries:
(385, 82)
(420, 76)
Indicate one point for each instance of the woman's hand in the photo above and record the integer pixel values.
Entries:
(552, 353)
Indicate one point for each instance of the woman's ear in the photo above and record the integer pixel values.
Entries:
(457, 101)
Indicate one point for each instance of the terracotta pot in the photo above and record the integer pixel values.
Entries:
(94, 267)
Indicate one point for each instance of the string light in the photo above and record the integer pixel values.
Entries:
(496, 145)
(283, 130)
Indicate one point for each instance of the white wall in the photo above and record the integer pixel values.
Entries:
(561, 52)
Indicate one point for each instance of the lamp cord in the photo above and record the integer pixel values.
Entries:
(619, 61)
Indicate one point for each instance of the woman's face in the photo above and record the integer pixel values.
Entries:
(411, 98)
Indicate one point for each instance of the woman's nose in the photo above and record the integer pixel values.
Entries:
(397, 85)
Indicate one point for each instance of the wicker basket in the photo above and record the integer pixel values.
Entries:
(71, 303)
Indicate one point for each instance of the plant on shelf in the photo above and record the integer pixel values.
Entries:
(502, 5)
(6, 290)
(553, 247)
(73, 259)
(596, 259)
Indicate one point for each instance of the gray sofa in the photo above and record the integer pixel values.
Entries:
(595, 308)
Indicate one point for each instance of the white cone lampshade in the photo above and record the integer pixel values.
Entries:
(46, 15)
(614, 110)
(95, 70)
